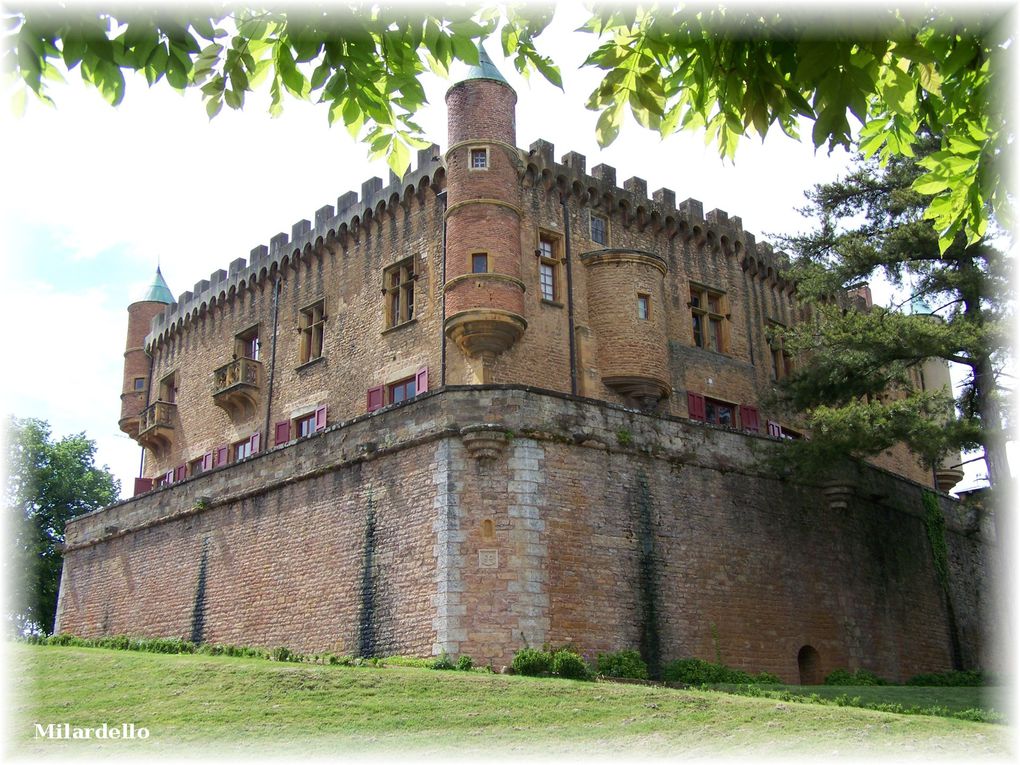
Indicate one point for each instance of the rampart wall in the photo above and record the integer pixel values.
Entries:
(470, 520)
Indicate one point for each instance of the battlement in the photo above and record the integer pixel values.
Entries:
(331, 224)
(716, 229)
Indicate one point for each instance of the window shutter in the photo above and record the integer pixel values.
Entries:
(281, 433)
(696, 406)
(749, 418)
(256, 441)
(421, 380)
(320, 418)
(775, 429)
(169, 476)
(182, 472)
(142, 485)
(207, 461)
(375, 398)
(221, 454)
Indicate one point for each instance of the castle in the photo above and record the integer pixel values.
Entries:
(503, 400)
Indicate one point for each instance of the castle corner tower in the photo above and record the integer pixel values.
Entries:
(484, 291)
(134, 395)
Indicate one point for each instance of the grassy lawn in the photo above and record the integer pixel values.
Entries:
(204, 704)
(993, 699)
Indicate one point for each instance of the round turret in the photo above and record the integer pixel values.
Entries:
(626, 303)
(135, 391)
(484, 290)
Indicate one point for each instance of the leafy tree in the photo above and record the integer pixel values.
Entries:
(48, 483)
(854, 382)
(726, 71)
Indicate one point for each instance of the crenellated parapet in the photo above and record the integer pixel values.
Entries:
(631, 203)
(335, 228)
(770, 266)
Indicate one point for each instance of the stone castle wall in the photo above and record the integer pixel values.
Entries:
(342, 264)
(586, 523)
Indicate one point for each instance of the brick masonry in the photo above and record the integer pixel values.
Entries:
(593, 524)
(540, 506)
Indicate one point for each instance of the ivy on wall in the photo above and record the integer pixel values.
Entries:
(935, 524)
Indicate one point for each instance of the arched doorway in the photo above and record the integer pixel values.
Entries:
(810, 665)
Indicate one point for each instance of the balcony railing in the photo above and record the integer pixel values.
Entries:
(236, 387)
(155, 426)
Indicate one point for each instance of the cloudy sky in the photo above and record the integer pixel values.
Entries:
(94, 197)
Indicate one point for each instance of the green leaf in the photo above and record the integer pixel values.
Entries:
(399, 157)
(608, 126)
(464, 49)
(204, 28)
(213, 107)
(320, 75)
(73, 49)
(929, 184)
(549, 70)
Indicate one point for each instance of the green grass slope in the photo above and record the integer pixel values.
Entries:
(208, 705)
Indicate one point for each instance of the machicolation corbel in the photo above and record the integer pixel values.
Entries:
(484, 441)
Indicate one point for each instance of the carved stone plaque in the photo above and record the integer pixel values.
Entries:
(488, 559)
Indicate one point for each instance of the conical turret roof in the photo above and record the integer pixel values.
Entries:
(484, 69)
(158, 291)
(920, 307)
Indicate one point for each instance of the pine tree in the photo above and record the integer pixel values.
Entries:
(854, 367)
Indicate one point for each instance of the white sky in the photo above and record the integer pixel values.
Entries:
(93, 196)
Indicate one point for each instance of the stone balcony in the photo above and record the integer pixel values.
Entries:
(155, 426)
(236, 385)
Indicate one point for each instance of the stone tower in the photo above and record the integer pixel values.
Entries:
(135, 392)
(484, 292)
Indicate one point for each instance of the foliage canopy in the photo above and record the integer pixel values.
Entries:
(727, 72)
(48, 483)
(861, 379)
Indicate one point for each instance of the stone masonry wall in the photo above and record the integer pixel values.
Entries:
(586, 523)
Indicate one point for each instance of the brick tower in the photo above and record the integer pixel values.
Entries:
(484, 291)
(135, 392)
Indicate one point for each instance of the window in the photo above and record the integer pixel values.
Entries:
(479, 159)
(708, 318)
(139, 383)
(401, 390)
(711, 410)
(168, 389)
(202, 464)
(311, 323)
(599, 229)
(242, 450)
(720, 413)
(247, 447)
(398, 289)
(643, 307)
(549, 259)
(778, 431)
(246, 344)
(547, 280)
(546, 248)
(310, 423)
(782, 364)
(479, 263)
